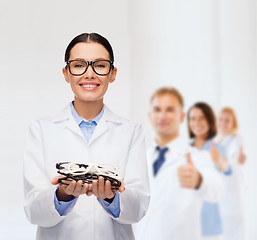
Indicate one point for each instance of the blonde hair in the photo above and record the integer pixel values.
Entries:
(168, 90)
(233, 114)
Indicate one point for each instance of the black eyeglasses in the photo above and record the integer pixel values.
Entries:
(100, 67)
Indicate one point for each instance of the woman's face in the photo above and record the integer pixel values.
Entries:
(198, 123)
(89, 87)
(225, 123)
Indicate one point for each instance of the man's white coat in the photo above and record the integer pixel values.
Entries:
(174, 212)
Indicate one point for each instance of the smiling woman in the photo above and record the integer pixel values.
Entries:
(84, 132)
(202, 130)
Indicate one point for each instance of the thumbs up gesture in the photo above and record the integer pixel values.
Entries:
(221, 162)
(188, 175)
(215, 154)
(241, 156)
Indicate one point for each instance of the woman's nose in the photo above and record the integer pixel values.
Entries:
(198, 122)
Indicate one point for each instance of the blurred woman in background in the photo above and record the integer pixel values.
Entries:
(202, 130)
(232, 207)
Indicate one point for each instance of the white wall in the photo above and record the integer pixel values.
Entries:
(238, 86)
(207, 49)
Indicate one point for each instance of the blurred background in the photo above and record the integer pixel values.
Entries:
(206, 49)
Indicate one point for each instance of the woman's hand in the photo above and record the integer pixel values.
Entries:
(241, 156)
(221, 162)
(102, 189)
(215, 154)
(65, 192)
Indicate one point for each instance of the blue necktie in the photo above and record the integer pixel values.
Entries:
(160, 160)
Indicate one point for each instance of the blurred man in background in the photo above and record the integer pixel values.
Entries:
(181, 177)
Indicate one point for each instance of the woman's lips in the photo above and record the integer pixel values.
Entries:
(197, 130)
(89, 86)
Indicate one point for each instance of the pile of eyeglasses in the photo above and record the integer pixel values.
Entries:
(88, 172)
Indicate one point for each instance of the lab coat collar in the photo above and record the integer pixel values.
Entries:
(226, 140)
(65, 117)
(178, 145)
(65, 114)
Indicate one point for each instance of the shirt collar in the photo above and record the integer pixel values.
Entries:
(206, 146)
(176, 144)
(79, 119)
(177, 148)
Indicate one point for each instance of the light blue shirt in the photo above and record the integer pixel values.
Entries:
(210, 215)
(207, 147)
(87, 127)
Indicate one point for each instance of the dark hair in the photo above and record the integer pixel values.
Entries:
(210, 117)
(89, 37)
(168, 90)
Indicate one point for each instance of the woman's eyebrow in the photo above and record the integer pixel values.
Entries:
(79, 59)
(101, 59)
(82, 59)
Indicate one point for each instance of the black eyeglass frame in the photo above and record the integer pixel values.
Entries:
(90, 63)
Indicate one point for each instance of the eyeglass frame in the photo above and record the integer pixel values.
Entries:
(67, 168)
(90, 63)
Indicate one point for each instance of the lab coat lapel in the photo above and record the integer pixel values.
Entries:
(100, 129)
(73, 126)
(65, 117)
(107, 121)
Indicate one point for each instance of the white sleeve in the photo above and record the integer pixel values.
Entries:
(212, 188)
(233, 148)
(39, 192)
(135, 199)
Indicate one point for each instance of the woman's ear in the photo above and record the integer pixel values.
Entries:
(113, 75)
(65, 74)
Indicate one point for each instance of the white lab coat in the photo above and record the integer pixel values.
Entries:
(232, 207)
(59, 139)
(174, 212)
